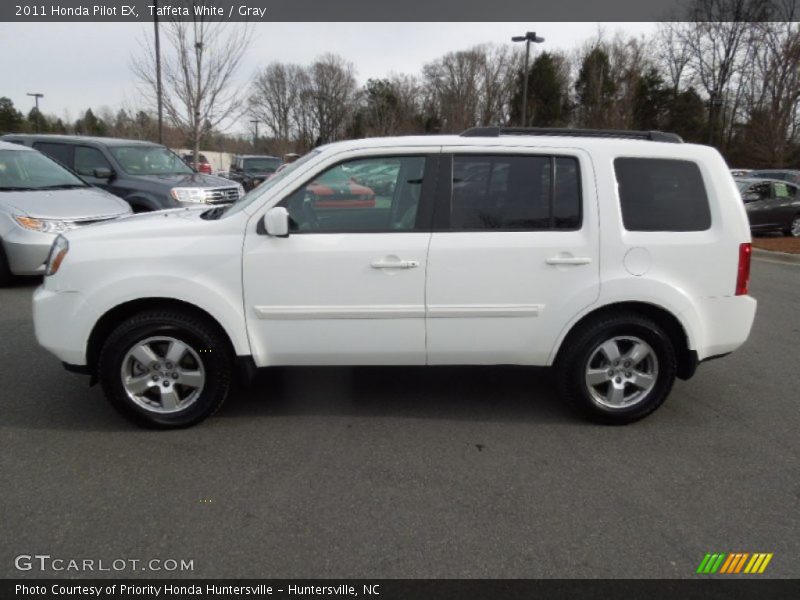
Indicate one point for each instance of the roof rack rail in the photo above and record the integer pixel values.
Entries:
(653, 136)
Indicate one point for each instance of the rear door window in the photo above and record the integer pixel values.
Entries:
(60, 152)
(507, 193)
(659, 194)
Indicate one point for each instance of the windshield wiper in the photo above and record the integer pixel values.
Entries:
(17, 189)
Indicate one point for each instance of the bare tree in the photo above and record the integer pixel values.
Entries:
(497, 71)
(671, 54)
(717, 42)
(331, 91)
(771, 92)
(471, 87)
(199, 62)
(275, 94)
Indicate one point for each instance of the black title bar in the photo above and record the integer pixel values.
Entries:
(699, 588)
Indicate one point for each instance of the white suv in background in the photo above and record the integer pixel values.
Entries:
(620, 258)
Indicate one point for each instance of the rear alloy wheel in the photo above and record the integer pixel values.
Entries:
(617, 369)
(794, 228)
(621, 372)
(166, 369)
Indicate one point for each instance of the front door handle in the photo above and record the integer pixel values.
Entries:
(569, 260)
(394, 264)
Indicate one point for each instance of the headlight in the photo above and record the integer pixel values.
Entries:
(240, 189)
(188, 194)
(43, 225)
(58, 251)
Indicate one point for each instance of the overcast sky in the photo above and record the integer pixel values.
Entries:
(88, 64)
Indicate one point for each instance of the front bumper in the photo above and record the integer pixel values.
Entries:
(27, 250)
(56, 327)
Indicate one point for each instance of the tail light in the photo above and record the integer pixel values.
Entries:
(743, 275)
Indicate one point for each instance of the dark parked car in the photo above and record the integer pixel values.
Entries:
(148, 176)
(252, 169)
(771, 205)
(202, 166)
(789, 175)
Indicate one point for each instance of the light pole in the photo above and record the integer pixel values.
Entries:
(159, 100)
(36, 96)
(527, 38)
(255, 136)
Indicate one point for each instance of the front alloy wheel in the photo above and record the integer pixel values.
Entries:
(166, 368)
(163, 374)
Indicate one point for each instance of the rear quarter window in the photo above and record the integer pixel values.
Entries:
(659, 194)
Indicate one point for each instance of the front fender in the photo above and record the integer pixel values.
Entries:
(226, 308)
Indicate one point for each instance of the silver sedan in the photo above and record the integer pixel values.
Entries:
(38, 200)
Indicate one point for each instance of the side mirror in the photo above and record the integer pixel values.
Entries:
(751, 197)
(103, 173)
(275, 223)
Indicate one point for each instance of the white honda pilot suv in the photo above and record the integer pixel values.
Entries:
(620, 258)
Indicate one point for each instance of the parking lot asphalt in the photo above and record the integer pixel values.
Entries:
(409, 472)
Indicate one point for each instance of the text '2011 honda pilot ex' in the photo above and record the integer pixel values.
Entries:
(619, 258)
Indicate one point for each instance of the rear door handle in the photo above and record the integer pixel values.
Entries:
(569, 260)
(394, 264)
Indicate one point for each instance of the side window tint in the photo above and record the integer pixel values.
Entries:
(567, 198)
(88, 159)
(761, 190)
(373, 194)
(515, 193)
(662, 195)
(60, 152)
(784, 190)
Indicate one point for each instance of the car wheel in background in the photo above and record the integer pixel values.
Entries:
(794, 227)
(617, 369)
(166, 368)
(5, 271)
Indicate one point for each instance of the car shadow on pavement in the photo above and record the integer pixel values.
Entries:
(480, 393)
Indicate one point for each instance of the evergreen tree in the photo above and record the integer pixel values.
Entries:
(11, 120)
(548, 104)
(595, 89)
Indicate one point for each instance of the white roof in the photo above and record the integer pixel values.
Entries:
(610, 145)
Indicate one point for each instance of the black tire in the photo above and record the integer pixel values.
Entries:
(6, 276)
(204, 339)
(580, 347)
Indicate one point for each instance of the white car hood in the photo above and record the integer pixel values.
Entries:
(67, 205)
(150, 225)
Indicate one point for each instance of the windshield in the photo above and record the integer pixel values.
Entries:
(742, 185)
(261, 164)
(149, 160)
(256, 193)
(29, 170)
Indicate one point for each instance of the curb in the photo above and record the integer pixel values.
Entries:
(783, 257)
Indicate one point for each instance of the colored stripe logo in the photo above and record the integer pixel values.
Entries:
(734, 563)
